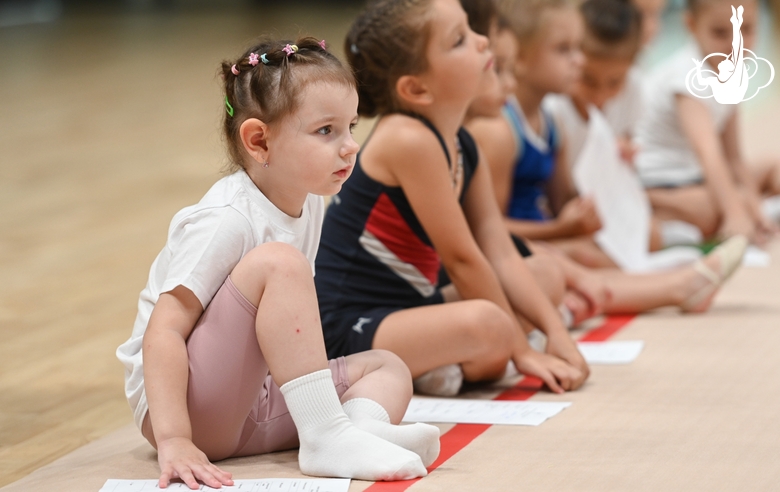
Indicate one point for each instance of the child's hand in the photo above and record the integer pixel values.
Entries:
(558, 375)
(179, 458)
(765, 228)
(561, 345)
(627, 149)
(579, 217)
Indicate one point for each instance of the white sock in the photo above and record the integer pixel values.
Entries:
(442, 381)
(676, 232)
(566, 316)
(537, 340)
(370, 416)
(332, 446)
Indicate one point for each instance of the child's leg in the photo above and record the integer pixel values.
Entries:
(635, 293)
(377, 398)
(692, 204)
(476, 334)
(584, 251)
(277, 279)
(380, 376)
(548, 275)
(545, 271)
(767, 177)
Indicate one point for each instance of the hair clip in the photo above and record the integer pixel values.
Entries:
(228, 107)
(353, 49)
(254, 59)
(322, 44)
(290, 49)
(234, 70)
(264, 59)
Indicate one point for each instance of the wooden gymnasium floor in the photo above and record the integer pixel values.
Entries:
(109, 125)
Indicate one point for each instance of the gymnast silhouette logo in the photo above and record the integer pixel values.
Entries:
(730, 84)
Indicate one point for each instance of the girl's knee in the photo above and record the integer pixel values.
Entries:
(270, 259)
(487, 325)
(265, 263)
(372, 360)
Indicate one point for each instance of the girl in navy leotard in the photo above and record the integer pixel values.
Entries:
(419, 200)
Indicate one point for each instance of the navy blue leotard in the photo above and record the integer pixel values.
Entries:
(534, 166)
(375, 257)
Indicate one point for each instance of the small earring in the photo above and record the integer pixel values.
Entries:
(265, 164)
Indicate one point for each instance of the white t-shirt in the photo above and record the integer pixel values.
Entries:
(573, 127)
(665, 156)
(624, 111)
(621, 112)
(205, 242)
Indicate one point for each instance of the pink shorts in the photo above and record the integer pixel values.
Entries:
(235, 407)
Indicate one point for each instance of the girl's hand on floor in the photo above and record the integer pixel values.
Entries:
(556, 374)
(563, 347)
(180, 458)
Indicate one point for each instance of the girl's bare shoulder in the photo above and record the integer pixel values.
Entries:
(399, 136)
(491, 132)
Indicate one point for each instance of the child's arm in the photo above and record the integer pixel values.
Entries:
(577, 217)
(499, 147)
(560, 187)
(415, 161)
(698, 128)
(523, 293)
(166, 372)
(752, 194)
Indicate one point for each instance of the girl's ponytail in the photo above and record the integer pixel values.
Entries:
(386, 41)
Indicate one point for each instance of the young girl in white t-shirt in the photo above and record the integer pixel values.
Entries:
(689, 154)
(227, 357)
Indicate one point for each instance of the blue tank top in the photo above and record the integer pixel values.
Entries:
(373, 250)
(533, 165)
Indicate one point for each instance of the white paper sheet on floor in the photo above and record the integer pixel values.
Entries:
(615, 352)
(463, 411)
(258, 485)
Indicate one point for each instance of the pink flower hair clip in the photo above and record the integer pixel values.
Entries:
(290, 49)
(322, 44)
(254, 59)
(234, 69)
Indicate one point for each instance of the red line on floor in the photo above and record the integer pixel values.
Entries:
(611, 325)
(459, 436)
